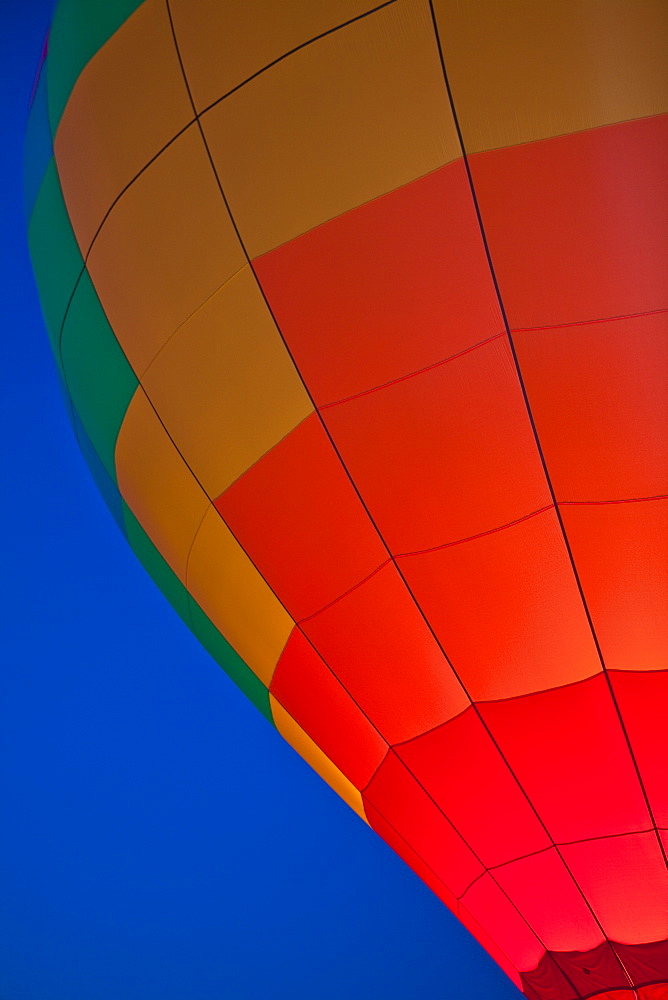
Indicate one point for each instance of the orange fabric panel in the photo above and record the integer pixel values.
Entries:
(548, 898)
(490, 906)
(621, 552)
(333, 126)
(229, 589)
(402, 803)
(523, 71)
(167, 246)
(379, 646)
(616, 870)
(255, 34)
(599, 397)
(317, 701)
(576, 225)
(225, 385)
(392, 287)
(568, 751)
(463, 771)
(299, 518)
(642, 700)
(129, 101)
(313, 755)
(445, 455)
(507, 609)
(157, 485)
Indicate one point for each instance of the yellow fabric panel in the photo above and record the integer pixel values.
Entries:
(157, 485)
(254, 34)
(527, 70)
(228, 588)
(333, 126)
(127, 104)
(167, 245)
(225, 384)
(314, 756)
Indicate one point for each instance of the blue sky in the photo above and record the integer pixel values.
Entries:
(159, 838)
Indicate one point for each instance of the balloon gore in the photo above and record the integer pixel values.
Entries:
(360, 314)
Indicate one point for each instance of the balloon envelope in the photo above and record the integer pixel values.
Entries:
(360, 315)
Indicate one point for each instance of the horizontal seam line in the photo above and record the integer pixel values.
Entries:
(303, 45)
(192, 315)
(218, 100)
(346, 593)
(352, 208)
(129, 184)
(565, 135)
(568, 843)
(589, 322)
(470, 886)
(420, 371)
(598, 503)
(527, 694)
(481, 534)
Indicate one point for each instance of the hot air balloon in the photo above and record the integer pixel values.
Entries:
(360, 315)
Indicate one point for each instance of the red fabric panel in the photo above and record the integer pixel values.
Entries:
(464, 772)
(378, 644)
(301, 522)
(645, 963)
(599, 396)
(491, 947)
(617, 995)
(621, 552)
(314, 698)
(643, 703)
(390, 287)
(494, 911)
(401, 847)
(507, 609)
(596, 969)
(601, 970)
(587, 972)
(547, 982)
(656, 992)
(398, 798)
(577, 224)
(568, 751)
(615, 870)
(548, 898)
(444, 455)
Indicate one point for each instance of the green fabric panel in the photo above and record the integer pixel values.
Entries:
(156, 567)
(108, 489)
(193, 616)
(55, 255)
(99, 377)
(79, 29)
(38, 147)
(230, 661)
